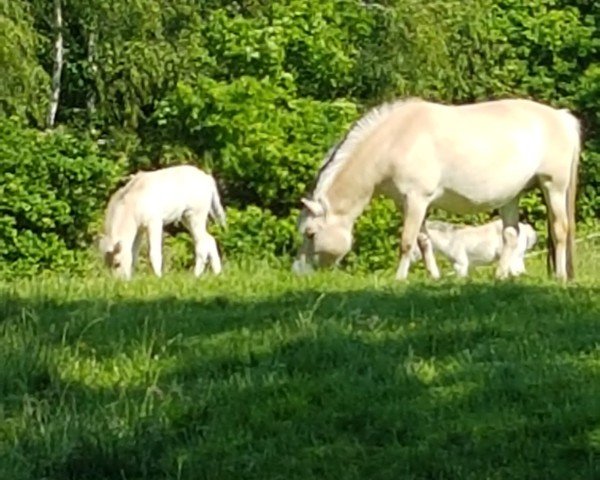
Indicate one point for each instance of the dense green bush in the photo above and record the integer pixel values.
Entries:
(256, 92)
(53, 186)
(264, 144)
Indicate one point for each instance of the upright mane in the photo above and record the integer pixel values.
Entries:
(340, 152)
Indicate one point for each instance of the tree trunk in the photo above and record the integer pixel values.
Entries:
(93, 69)
(58, 64)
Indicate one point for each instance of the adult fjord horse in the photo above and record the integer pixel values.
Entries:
(462, 159)
(153, 199)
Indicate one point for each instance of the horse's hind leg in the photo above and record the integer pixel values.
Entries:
(415, 209)
(205, 246)
(556, 200)
(212, 252)
(510, 237)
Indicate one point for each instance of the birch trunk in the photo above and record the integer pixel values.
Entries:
(91, 57)
(58, 64)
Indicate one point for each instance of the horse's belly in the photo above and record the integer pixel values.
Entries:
(456, 203)
(478, 198)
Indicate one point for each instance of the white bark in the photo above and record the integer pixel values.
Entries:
(58, 64)
(91, 57)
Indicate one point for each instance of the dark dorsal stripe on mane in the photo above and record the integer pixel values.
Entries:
(334, 151)
(330, 157)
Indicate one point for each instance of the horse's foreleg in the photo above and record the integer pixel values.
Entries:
(415, 209)
(510, 237)
(155, 246)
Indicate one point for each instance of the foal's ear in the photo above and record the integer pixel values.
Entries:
(313, 207)
(117, 248)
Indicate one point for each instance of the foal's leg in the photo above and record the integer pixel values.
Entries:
(510, 237)
(556, 200)
(415, 209)
(205, 246)
(460, 263)
(517, 265)
(135, 249)
(212, 252)
(426, 248)
(155, 246)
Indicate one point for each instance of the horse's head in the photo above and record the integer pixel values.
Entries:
(326, 237)
(113, 257)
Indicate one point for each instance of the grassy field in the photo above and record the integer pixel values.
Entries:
(262, 375)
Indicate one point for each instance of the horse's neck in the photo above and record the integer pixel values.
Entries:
(122, 226)
(352, 190)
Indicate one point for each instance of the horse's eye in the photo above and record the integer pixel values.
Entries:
(309, 234)
(116, 264)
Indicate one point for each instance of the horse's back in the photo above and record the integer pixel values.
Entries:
(177, 180)
(478, 156)
(169, 192)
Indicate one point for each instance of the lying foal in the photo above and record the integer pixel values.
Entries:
(474, 245)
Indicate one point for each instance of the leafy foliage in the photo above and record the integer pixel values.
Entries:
(262, 142)
(52, 186)
(24, 85)
(257, 91)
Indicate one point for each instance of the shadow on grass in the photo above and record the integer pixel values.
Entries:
(449, 381)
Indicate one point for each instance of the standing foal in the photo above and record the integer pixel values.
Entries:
(473, 244)
(151, 200)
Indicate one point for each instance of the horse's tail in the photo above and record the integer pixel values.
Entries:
(575, 130)
(216, 208)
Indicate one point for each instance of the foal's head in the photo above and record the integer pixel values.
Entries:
(113, 257)
(326, 237)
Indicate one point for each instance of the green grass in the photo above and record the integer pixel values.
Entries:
(262, 375)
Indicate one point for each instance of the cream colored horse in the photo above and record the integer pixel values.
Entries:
(153, 199)
(462, 159)
(473, 245)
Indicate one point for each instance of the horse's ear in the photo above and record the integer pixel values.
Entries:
(316, 208)
(117, 248)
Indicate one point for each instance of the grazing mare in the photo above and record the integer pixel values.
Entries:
(473, 244)
(151, 200)
(462, 159)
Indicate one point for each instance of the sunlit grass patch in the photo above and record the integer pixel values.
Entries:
(261, 374)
